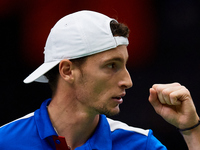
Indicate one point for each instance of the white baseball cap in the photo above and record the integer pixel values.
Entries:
(76, 35)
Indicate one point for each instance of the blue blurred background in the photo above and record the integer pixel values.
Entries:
(164, 48)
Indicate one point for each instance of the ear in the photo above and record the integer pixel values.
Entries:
(66, 71)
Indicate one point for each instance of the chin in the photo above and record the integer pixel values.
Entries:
(112, 112)
(108, 111)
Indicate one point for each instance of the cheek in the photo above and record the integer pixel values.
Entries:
(98, 87)
(101, 90)
(95, 87)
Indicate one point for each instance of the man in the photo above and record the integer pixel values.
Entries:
(85, 65)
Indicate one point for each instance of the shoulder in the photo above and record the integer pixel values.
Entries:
(115, 125)
(19, 119)
(16, 130)
(133, 137)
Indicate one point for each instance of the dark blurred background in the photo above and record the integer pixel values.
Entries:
(164, 48)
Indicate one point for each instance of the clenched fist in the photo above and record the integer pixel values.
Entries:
(174, 103)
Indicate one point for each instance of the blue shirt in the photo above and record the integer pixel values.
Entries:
(35, 132)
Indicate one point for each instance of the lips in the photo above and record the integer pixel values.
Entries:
(118, 98)
(121, 95)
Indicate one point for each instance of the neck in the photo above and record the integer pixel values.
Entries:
(75, 125)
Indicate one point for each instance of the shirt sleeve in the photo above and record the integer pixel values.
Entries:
(153, 143)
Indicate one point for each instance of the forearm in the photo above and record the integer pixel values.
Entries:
(192, 138)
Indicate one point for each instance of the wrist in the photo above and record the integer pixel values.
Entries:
(192, 138)
(190, 128)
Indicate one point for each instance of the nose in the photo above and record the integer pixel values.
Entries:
(126, 81)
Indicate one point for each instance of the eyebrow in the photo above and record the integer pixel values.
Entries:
(116, 59)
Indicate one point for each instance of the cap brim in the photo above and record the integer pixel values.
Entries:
(37, 75)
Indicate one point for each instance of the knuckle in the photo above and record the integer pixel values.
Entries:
(176, 84)
(185, 90)
(173, 96)
(165, 92)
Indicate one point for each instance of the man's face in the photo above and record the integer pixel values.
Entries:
(102, 81)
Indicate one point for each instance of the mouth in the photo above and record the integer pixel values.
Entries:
(119, 99)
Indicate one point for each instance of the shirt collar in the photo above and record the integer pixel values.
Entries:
(43, 122)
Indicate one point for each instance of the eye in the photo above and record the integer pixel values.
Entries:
(111, 65)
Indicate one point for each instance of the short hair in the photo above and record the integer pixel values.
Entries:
(118, 29)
